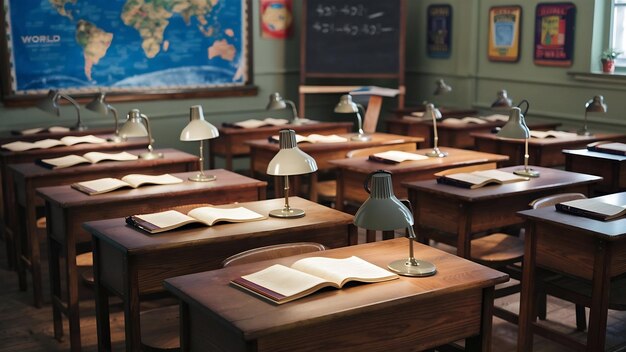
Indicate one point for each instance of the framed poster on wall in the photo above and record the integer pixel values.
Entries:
(554, 34)
(504, 33)
(439, 31)
(146, 50)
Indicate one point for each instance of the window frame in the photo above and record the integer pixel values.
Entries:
(621, 60)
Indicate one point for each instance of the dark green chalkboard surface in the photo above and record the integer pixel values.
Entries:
(353, 38)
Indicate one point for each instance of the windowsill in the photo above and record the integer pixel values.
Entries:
(599, 77)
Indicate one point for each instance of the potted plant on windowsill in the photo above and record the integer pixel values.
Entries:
(608, 60)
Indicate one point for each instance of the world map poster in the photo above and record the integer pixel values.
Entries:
(83, 46)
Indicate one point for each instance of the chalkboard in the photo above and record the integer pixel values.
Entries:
(353, 38)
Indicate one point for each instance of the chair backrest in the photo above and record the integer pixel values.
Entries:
(554, 199)
(404, 147)
(272, 252)
(469, 168)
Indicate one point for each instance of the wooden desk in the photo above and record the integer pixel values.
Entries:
(262, 151)
(451, 135)
(351, 173)
(542, 151)
(29, 176)
(231, 142)
(407, 314)
(611, 167)
(589, 249)
(130, 263)
(67, 209)
(8, 157)
(8, 138)
(461, 212)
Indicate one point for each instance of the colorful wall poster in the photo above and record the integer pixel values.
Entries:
(276, 19)
(554, 34)
(438, 29)
(504, 33)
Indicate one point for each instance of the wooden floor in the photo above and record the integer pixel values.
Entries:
(25, 328)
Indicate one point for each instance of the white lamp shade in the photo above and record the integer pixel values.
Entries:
(198, 128)
(133, 127)
(596, 104)
(290, 160)
(276, 102)
(346, 105)
(382, 211)
(515, 126)
(432, 112)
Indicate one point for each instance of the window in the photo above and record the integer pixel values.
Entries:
(618, 32)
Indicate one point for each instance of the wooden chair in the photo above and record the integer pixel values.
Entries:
(327, 190)
(575, 290)
(160, 327)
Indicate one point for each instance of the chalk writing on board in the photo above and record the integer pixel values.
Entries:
(352, 29)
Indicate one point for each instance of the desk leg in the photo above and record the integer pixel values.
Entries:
(103, 325)
(19, 233)
(313, 180)
(131, 311)
(599, 297)
(55, 281)
(527, 308)
(34, 252)
(340, 189)
(73, 313)
(229, 162)
(482, 342)
(464, 242)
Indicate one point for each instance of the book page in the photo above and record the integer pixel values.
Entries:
(552, 133)
(399, 156)
(65, 161)
(20, 146)
(497, 117)
(211, 215)
(596, 206)
(58, 129)
(136, 180)
(100, 185)
(465, 120)
(333, 138)
(91, 139)
(96, 157)
(283, 280)
(31, 131)
(340, 271)
(501, 176)
(252, 123)
(467, 177)
(613, 146)
(276, 122)
(166, 219)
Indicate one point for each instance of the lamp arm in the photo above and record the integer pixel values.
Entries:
(145, 118)
(527, 106)
(286, 189)
(115, 116)
(76, 106)
(294, 111)
(526, 156)
(435, 135)
(201, 158)
(360, 118)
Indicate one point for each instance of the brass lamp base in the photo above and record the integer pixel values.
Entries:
(287, 213)
(116, 139)
(200, 177)
(361, 138)
(527, 172)
(436, 153)
(78, 127)
(412, 267)
(151, 156)
(584, 132)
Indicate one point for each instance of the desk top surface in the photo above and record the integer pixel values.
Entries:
(241, 310)
(456, 158)
(611, 230)
(595, 155)
(131, 143)
(272, 129)
(445, 111)
(227, 181)
(377, 139)
(170, 156)
(552, 141)
(130, 239)
(548, 179)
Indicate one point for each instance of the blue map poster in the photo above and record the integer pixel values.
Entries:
(150, 46)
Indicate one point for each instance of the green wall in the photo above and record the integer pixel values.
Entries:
(552, 93)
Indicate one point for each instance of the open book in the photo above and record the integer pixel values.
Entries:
(91, 157)
(395, 156)
(108, 184)
(253, 123)
(19, 146)
(552, 134)
(496, 117)
(592, 208)
(281, 284)
(610, 148)
(462, 121)
(51, 129)
(314, 138)
(171, 219)
(480, 178)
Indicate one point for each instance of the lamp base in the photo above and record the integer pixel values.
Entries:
(412, 267)
(361, 138)
(300, 121)
(584, 132)
(116, 139)
(78, 127)
(527, 173)
(202, 178)
(287, 213)
(436, 153)
(151, 156)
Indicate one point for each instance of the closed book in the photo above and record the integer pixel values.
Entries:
(396, 156)
(609, 148)
(477, 179)
(592, 208)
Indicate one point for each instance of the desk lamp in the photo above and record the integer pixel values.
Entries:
(134, 127)
(198, 129)
(442, 88)
(347, 106)
(593, 105)
(289, 160)
(277, 102)
(101, 107)
(382, 211)
(516, 128)
(433, 113)
(502, 101)
(51, 104)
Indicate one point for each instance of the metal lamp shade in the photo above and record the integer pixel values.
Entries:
(516, 126)
(49, 103)
(198, 128)
(503, 101)
(133, 127)
(382, 211)
(276, 102)
(596, 104)
(98, 105)
(431, 112)
(346, 105)
(442, 88)
(290, 160)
